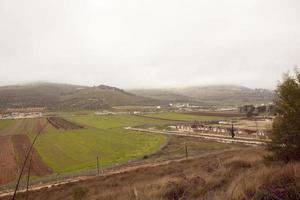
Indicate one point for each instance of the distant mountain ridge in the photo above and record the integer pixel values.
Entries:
(210, 95)
(67, 96)
(72, 97)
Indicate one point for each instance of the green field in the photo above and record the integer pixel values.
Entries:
(5, 124)
(114, 121)
(104, 136)
(182, 116)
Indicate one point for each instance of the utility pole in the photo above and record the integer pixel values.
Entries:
(232, 130)
(256, 126)
(98, 171)
(186, 150)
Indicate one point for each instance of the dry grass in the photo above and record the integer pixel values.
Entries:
(232, 175)
(266, 183)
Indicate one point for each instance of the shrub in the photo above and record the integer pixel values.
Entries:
(79, 193)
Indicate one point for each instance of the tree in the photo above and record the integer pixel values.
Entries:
(232, 131)
(285, 136)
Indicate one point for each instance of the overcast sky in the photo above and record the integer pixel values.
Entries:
(153, 43)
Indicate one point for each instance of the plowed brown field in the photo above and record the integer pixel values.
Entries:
(8, 165)
(61, 123)
(22, 145)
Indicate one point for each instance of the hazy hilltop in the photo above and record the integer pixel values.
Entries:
(215, 94)
(66, 96)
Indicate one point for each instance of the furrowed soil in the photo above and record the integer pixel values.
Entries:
(14, 145)
(61, 123)
(8, 165)
(22, 145)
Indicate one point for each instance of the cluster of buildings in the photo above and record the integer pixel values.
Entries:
(220, 128)
(257, 109)
(105, 112)
(180, 105)
(183, 106)
(21, 115)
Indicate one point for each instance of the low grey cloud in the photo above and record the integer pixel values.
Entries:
(139, 43)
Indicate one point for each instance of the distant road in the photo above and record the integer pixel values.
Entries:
(170, 120)
(209, 136)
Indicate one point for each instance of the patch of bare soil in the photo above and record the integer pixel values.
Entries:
(61, 123)
(22, 144)
(8, 165)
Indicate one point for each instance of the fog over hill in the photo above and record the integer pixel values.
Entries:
(213, 94)
(149, 43)
(66, 96)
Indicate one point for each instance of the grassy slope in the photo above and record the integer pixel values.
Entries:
(240, 174)
(183, 117)
(67, 151)
(195, 146)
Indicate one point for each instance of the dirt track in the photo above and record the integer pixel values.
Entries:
(22, 144)
(8, 165)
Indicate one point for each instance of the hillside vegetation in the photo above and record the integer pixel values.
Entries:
(210, 95)
(64, 96)
(74, 97)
